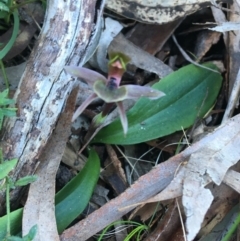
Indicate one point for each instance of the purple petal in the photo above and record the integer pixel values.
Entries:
(123, 117)
(136, 91)
(83, 106)
(87, 75)
(109, 94)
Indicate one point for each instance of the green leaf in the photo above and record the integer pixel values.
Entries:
(4, 98)
(9, 112)
(31, 234)
(4, 7)
(10, 43)
(26, 180)
(3, 15)
(190, 94)
(74, 197)
(16, 223)
(6, 167)
(14, 238)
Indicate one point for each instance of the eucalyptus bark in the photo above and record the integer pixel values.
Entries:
(44, 87)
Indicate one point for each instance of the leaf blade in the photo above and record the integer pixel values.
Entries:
(10, 43)
(25, 180)
(6, 167)
(67, 206)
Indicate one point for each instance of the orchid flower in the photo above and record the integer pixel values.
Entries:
(109, 89)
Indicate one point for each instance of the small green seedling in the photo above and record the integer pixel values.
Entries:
(29, 237)
(137, 230)
(4, 110)
(7, 183)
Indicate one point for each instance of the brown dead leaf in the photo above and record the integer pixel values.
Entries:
(116, 163)
(204, 42)
(40, 206)
(233, 48)
(147, 211)
(113, 172)
(151, 38)
(139, 57)
(156, 11)
(72, 159)
(173, 190)
(99, 59)
(211, 163)
(233, 64)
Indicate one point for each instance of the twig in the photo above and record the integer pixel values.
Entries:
(234, 97)
(181, 219)
(213, 2)
(187, 57)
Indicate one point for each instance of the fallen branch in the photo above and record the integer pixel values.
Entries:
(65, 39)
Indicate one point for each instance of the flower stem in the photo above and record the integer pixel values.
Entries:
(8, 205)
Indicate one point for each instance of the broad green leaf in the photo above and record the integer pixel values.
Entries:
(16, 223)
(74, 197)
(26, 180)
(6, 167)
(3, 15)
(70, 201)
(4, 7)
(190, 94)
